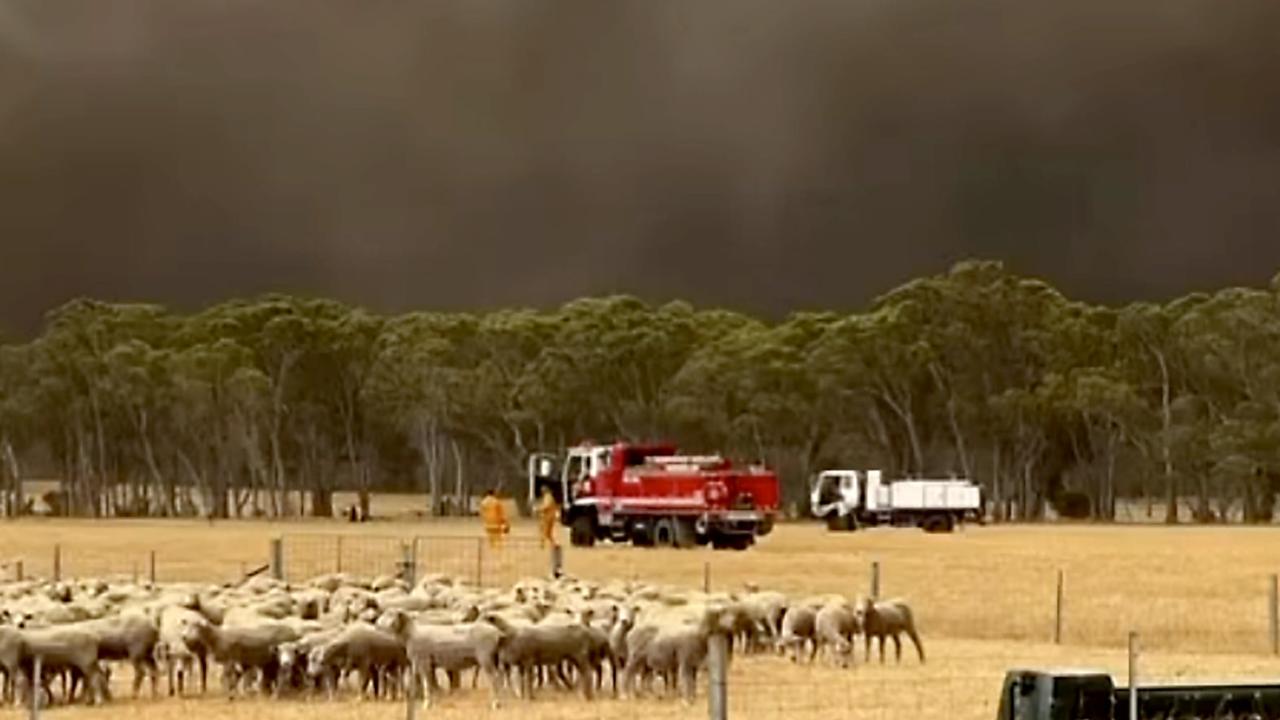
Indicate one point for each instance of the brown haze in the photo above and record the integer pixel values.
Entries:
(761, 154)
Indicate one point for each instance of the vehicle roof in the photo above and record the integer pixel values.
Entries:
(1061, 671)
(646, 447)
(1188, 684)
(1210, 685)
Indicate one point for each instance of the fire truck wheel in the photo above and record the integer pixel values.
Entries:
(583, 531)
(664, 533)
(686, 534)
(641, 535)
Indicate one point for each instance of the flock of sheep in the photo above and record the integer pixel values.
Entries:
(384, 637)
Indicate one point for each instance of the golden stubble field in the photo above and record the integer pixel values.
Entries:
(984, 601)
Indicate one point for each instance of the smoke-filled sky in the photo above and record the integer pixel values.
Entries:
(756, 154)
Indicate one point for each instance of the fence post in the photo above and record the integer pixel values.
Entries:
(1273, 609)
(409, 562)
(479, 562)
(718, 674)
(557, 561)
(706, 576)
(57, 562)
(1133, 675)
(1057, 612)
(875, 579)
(36, 674)
(277, 558)
(338, 562)
(413, 561)
(19, 571)
(151, 568)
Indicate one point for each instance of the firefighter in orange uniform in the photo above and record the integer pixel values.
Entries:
(494, 517)
(548, 515)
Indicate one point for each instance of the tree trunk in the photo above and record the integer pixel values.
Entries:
(277, 474)
(882, 437)
(1266, 498)
(1024, 493)
(1166, 454)
(1148, 497)
(362, 498)
(322, 502)
(1204, 508)
(962, 450)
(322, 472)
(17, 501)
(90, 481)
(903, 411)
(148, 452)
(1171, 497)
(809, 458)
(366, 486)
(1110, 498)
(1249, 509)
(254, 496)
(259, 472)
(459, 479)
(998, 510)
(100, 442)
(171, 488)
(428, 447)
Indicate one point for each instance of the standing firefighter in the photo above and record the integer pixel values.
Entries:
(548, 515)
(494, 517)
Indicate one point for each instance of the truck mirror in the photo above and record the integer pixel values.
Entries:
(544, 467)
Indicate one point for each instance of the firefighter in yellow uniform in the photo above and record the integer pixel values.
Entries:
(494, 517)
(548, 516)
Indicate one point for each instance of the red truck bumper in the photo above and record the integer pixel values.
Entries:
(734, 522)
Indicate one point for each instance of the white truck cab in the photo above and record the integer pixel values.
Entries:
(564, 475)
(847, 499)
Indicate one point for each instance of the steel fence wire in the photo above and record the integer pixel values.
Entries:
(473, 561)
(163, 564)
(311, 555)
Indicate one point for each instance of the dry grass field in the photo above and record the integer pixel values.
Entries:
(984, 600)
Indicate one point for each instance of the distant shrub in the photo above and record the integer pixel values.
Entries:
(1073, 505)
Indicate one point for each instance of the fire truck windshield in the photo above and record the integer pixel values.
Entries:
(575, 469)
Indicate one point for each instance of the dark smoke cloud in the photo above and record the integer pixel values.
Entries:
(758, 154)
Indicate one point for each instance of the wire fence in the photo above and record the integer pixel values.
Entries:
(69, 561)
(1034, 600)
(475, 561)
(303, 556)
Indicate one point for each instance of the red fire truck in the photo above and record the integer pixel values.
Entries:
(650, 496)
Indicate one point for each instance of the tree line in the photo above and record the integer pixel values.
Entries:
(269, 406)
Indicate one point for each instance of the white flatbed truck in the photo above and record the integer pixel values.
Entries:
(850, 499)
